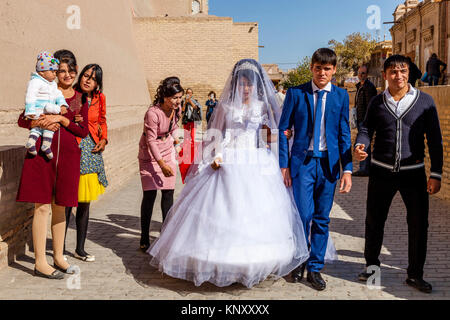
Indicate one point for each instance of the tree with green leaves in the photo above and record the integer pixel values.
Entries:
(301, 74)
(354, 51)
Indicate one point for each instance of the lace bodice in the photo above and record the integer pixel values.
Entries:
(243, 127)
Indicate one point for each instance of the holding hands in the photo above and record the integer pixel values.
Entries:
(359, 153)
(216, 164)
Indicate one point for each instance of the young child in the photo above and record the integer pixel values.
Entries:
(43, 97)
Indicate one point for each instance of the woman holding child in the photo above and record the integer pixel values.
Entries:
(52, 184)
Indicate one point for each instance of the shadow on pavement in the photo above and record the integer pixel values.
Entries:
(123, 239)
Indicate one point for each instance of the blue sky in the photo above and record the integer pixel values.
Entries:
(292, 29)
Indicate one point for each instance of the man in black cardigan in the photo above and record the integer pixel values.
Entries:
(400, 117)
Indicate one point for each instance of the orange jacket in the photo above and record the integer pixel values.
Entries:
(97, 118)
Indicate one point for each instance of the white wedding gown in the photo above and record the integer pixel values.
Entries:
(237, 224)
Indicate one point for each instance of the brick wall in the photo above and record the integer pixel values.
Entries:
(201, 51)
(15, 218)
(441, 96)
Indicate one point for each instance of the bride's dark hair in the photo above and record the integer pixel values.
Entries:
(167, 88)
(249, 74)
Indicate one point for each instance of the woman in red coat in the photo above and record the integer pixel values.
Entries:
(92, 176)
(53, 184)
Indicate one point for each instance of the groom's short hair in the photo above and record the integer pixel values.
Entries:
(324, 56)
(395, 60)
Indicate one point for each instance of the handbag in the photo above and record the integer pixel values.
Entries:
(191, 114)
(425, 77)
(196, 115)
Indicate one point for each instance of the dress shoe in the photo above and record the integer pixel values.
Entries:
(85, 257)
(55, 274)
(419, 284)
(70, 270)
(297, 273)
(360, 174)
(364, 276)
(316, 280)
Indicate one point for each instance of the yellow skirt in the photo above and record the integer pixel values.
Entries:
(90, 188)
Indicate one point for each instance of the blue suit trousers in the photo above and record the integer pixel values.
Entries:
(314, 189)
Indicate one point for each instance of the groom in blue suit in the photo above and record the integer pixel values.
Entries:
(319, 111)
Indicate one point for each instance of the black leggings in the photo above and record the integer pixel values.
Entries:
(82, 220)
(147, 209)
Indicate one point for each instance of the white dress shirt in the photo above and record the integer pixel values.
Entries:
(399, 107)
(323, 139)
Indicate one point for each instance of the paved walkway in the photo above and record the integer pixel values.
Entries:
(121, 271)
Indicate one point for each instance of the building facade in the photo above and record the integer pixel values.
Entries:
(382, 51)
(169, 8)
(421, 29)
(199, 48)
(275, 73)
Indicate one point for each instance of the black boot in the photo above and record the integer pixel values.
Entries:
(419, 284)
(316, 281)
(297, 273)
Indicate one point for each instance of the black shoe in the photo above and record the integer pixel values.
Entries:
(419, 284)
(144, 247)
(316, 280)
(364, 276)
(55, 274)
(297, 273)
(360, 174)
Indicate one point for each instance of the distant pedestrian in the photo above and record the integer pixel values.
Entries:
(434, 69)
(280, 96)
(414, 73)
(211, 103)
(191, 113)
(365, 92)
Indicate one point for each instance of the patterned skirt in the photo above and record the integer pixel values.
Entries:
(92, 172)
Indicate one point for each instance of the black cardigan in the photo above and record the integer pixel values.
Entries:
(399, 141)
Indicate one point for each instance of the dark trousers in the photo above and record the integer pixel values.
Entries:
(147, 203)
(433, 80)
(364, 166)
(383, 185)
(81, 220)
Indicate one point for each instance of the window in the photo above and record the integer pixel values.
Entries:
(195, 7)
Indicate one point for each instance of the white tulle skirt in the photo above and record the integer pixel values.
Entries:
(236, 224)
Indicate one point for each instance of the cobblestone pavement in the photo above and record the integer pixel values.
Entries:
(121, 271)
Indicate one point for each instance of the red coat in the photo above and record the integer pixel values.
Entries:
(97, 118)
(42, 178)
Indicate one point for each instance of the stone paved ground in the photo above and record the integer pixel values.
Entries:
(121, 271)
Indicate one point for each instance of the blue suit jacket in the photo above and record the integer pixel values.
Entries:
(298, 111)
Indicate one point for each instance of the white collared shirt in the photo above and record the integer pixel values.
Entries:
(323, 139)
(399, 107)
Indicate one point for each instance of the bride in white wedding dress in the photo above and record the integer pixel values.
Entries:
(235, 221)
